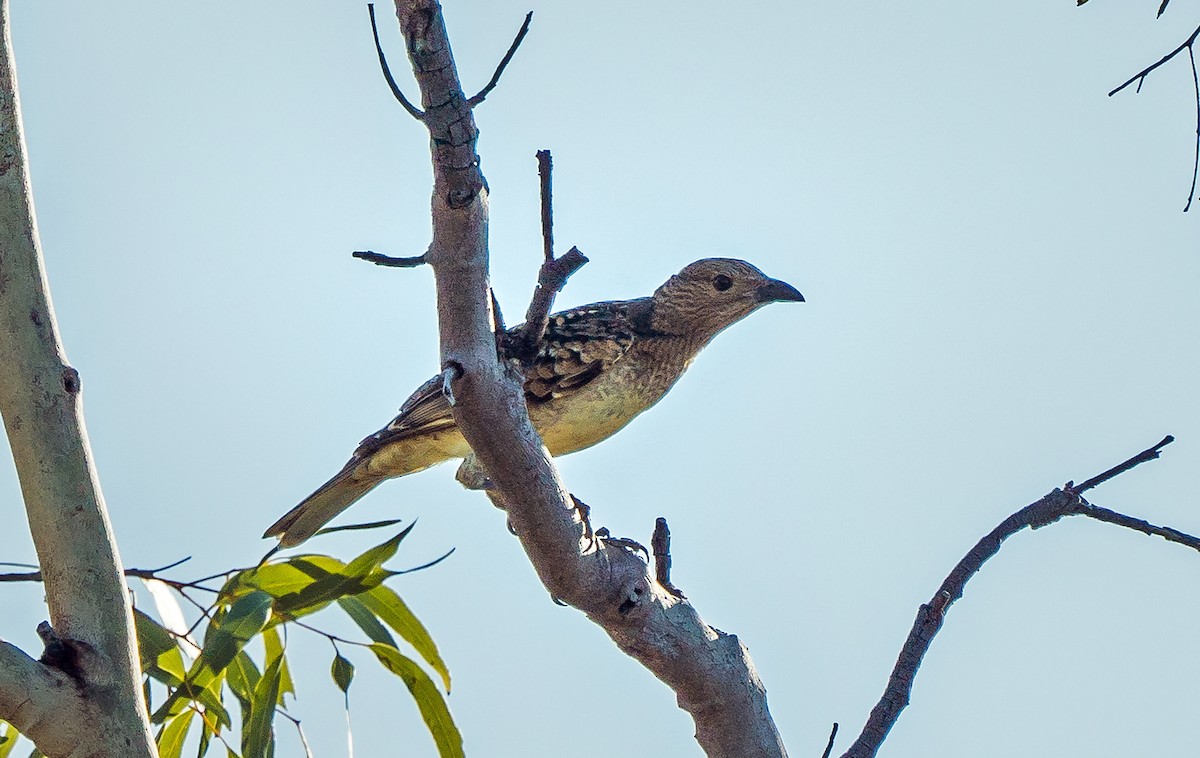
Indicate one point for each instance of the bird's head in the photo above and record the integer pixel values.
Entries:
(713, 293)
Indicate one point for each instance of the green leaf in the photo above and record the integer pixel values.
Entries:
(206, 735)
(389, 608)
(170, 739)
(429, 700)
(242, 675)
(8, 739)
(330, 579)
(357, 527)
(343, 673)
(258, 738)
(160, 654)
(275, 649)
(366, 620)
(374, 558)
(227, 633)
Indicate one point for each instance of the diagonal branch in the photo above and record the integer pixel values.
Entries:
(413, 110)
(710, 671)
(512, 50)
(1148, 454)
(1140, 77)
(40, 403)
(1054, 506)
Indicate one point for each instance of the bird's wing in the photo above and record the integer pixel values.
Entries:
(580, 345)
(426, 410)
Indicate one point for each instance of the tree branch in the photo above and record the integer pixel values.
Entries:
(379, 259)
(1140, 77)
(512, 50)
(40, 403)
(34, 698)
(1051, 508)
(413, 110)
(553, 274)
(709, 670)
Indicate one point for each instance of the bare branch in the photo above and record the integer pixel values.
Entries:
(552, 276)
(413, 110)
(379, 259)
(1162, 8)
(1140, 77)
(832, 736)
(1196, 160)
(512, 50)
(1051, 508)
(545, 180)
(709, 670)
(1148, 454)
(40, 403)
(660, 543)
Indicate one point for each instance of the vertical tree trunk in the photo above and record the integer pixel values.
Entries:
(84, 697)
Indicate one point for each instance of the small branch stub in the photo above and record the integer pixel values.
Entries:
(660, 543)
(379, 259)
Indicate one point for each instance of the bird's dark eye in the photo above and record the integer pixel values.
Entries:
(722, 282)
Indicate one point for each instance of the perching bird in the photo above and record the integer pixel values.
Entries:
(597, 367)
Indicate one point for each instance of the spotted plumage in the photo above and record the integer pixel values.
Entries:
(597, 367)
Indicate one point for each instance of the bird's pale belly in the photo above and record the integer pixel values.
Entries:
(592, 416)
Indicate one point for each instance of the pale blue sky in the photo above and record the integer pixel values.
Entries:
(1001, 296)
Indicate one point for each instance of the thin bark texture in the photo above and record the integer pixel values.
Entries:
(709, 670)
(83, 699)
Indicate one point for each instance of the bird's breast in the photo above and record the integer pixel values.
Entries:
(592, 413)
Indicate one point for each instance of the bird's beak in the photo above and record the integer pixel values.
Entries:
(774, 290)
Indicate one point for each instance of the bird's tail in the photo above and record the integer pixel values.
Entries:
(319, 508)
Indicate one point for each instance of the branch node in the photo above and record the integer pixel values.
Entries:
(450, 372)
(1148, 454)
(70, 380)
(59, 653)
(585, 512)
(1140, 78)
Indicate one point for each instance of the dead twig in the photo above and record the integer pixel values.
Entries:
(413, 110)
(512, 50)
(832, 737)
(552, 276)
(660, 543)
(1140, 77)
(1051, 508)
(379, 259)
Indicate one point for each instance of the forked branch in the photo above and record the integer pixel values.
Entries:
(553, 274)
(710, 671)
(1051, 508)
(1140, 77)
